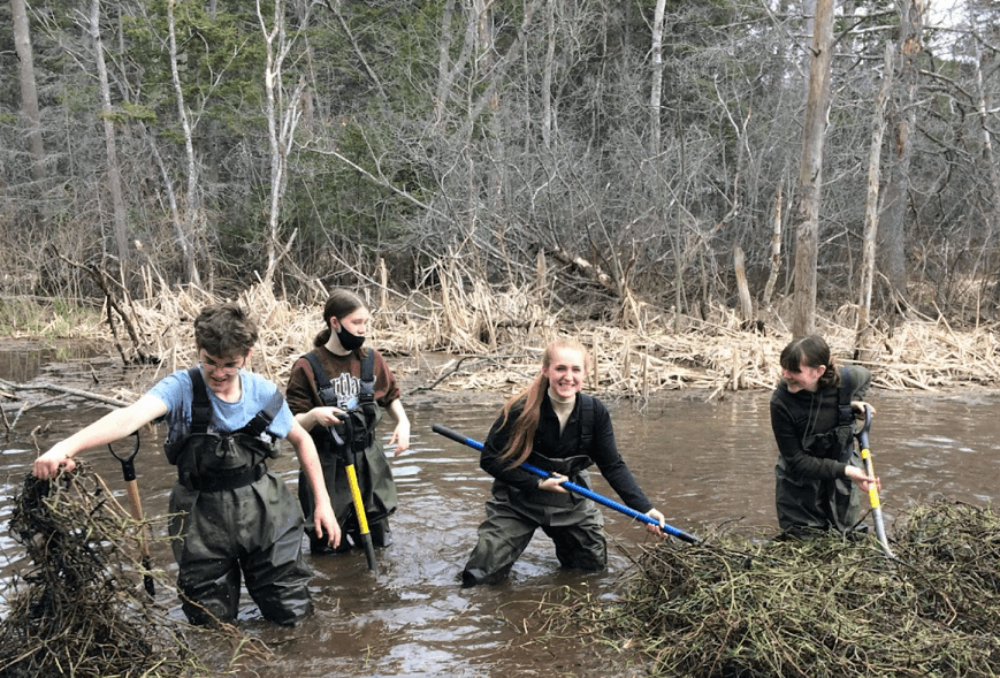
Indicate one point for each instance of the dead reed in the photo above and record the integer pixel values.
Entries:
(483, 338)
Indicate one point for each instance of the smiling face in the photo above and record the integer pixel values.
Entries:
(806, 378)
(222, 373)
(566, 371)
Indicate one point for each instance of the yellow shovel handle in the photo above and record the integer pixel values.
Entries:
(866, 456)
(359, 504)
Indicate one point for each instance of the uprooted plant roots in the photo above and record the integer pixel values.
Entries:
(825, 608)
(79, 609)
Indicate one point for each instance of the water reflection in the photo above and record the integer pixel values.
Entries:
(21, 362)
(702, 463)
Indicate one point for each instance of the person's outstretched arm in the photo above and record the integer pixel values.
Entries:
(112, 426)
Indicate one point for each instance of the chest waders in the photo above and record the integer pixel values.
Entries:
(809, 505)
(355, 469)
(234, 520)
(573, 522)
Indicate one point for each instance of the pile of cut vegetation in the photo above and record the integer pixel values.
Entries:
(733, 608)
(80, 610)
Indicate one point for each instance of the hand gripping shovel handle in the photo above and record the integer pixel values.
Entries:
(359, 503)
(873, 498)
(573, 487)
(135, 508)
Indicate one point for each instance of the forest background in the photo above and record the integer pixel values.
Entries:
(685, 184)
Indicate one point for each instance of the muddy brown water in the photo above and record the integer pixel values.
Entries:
(702, 463)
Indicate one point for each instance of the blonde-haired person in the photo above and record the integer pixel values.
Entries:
(554, 426)
(338, 393)
(818, 476)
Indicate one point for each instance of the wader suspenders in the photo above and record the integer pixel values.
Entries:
(366, 398)
(201, 406)
(265, 417)
(586, 422)
(323, 385)
(201, 415)
(846, 414)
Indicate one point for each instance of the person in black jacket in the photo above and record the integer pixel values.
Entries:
(553, 426)
(818, 473)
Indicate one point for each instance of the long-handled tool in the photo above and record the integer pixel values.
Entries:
(573, 487)
(352, 479)
(135, 508)
(873, 498)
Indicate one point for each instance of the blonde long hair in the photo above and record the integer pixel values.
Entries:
(523, 435)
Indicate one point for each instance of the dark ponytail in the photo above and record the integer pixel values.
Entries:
(812, 351)
(341, 303)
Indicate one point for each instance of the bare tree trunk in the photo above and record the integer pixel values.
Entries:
(806, 213)
(656, 89)
(493, 74)
(192, 209)
(550, 53)
(114, 169)
(863, 336)
(896, 204)
(175, 216)
(772, 275)
(486, 50)
(746, 303)
(29, 90)
(282, 118)
(984, 105)
(447, 70)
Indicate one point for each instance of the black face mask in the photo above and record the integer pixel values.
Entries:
(350, 342)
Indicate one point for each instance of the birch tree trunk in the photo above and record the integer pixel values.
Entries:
(114, 168)
(192, 209)
(805, 217)
(550, 53)
(445, 75)
(29, 90)
(282, 118)
(863, 333)
(656, 88)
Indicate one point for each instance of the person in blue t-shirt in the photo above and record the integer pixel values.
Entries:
(231, 515)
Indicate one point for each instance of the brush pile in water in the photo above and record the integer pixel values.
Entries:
(825, 608)
(79, 610)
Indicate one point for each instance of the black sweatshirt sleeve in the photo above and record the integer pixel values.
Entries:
(604, 452)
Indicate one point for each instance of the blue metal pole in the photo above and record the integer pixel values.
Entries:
(573, 487)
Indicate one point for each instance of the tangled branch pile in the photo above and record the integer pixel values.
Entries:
(816, 609)
(78, 611)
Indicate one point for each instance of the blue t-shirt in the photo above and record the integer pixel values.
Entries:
(177, 392)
